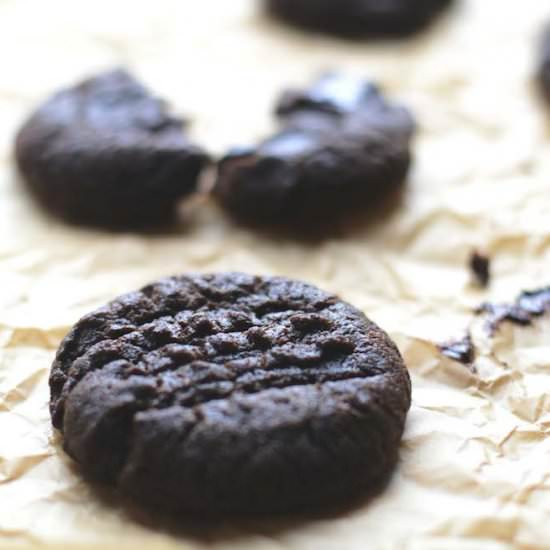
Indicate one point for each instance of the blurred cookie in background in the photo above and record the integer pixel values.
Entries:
(230, 394)
(358, 18)
(106, 152)
(342, 147)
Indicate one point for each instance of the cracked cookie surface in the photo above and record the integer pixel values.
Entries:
(231, 394)
(106, 152)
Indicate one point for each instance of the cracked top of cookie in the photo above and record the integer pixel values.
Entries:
(342, 96)
(334, 108)
(207, 337)
(112, 105)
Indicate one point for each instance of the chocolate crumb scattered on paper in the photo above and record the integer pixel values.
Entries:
(462, 351)
(480, 266)
(528, 305)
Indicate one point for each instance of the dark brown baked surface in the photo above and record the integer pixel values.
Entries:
(231, 394)
(342, 148)
(543, 73)
(106, 152)
(358, 18)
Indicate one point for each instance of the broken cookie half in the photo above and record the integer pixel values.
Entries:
(341, 149)
(106, 152)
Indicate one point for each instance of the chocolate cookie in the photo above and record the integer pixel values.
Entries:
(544, 64)
(342, 146)
(356, 18)
(231, 394)
(106, 152)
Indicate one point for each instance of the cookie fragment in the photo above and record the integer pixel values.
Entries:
(480, 266)
(543, 70)
(358, 18)
(231, 394)
(106, 152)
(342, 147)
(461, 350)
(529, 305)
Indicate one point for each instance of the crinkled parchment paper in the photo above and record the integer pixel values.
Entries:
(475, 468)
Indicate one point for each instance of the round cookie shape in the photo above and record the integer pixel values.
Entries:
(231, 394)
(106, 152)
(342, 147)
(543, 73)
(358, 18)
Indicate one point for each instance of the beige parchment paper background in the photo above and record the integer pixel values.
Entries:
(475, 467)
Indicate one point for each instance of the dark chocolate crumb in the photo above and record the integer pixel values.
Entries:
(529, 305)
(480, 266)
(536, 302)
(461, 350)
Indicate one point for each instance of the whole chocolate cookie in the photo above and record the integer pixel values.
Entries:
(106, 152)
(231, 394)
(342, 147)
(358, 18)
(544, 64)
